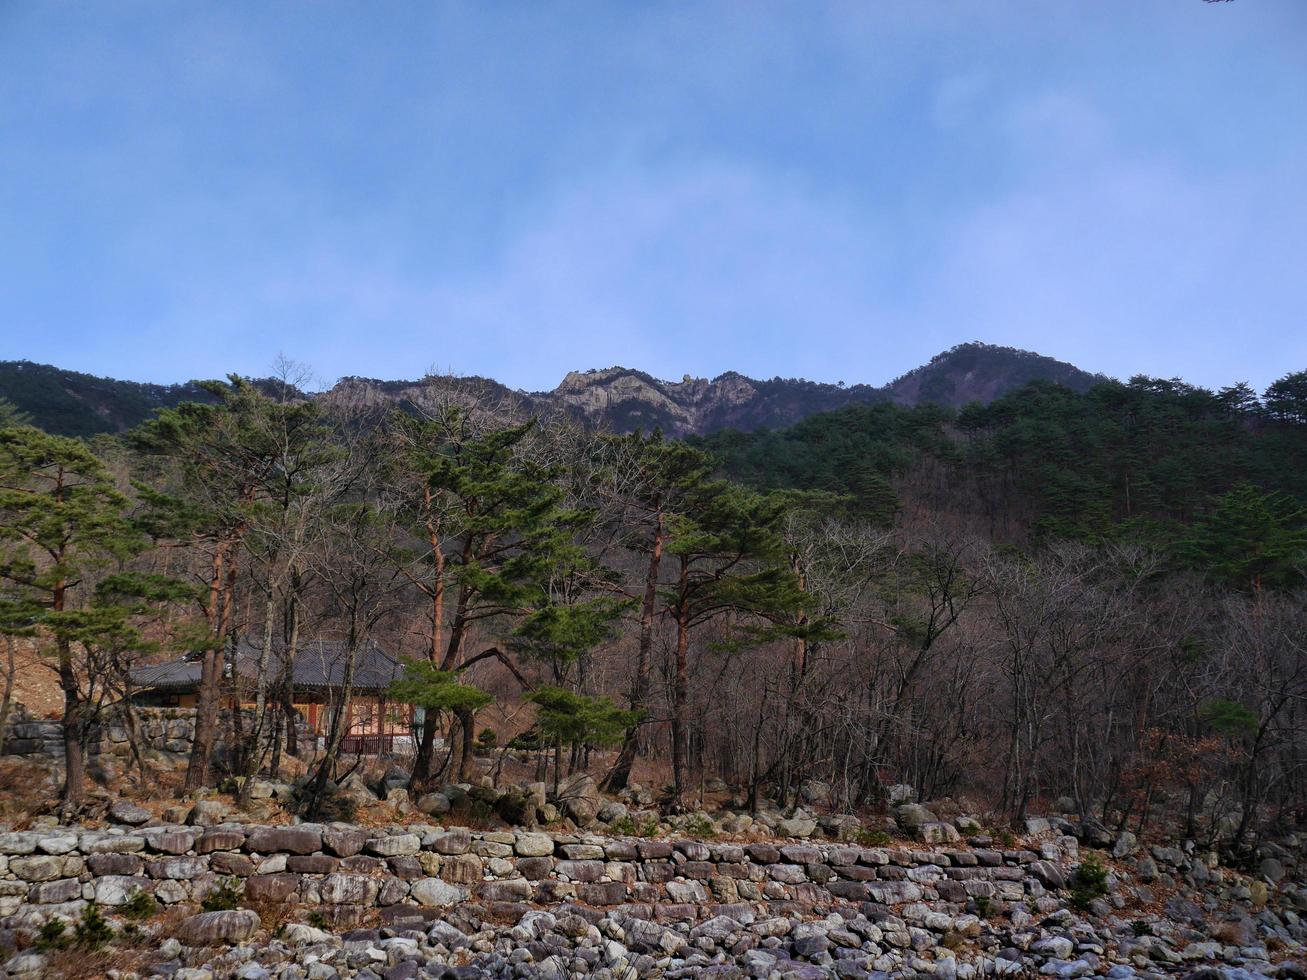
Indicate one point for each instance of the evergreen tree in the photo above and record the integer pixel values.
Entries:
(504, 531)
(731, 565)
(62, 522)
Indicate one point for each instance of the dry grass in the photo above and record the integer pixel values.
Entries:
(82, 964)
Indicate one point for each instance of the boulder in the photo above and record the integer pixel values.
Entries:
(937, 832)
(434, 804)
(395, 846)
(127, 812)
(288, 840)
(579, 798)
(226, 928)
(1126, 845)
(207, 813)
(533, 845)
(910, 816)
(437, 893)
(802, 827)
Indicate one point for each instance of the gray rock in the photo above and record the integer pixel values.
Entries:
(207, 813)
(579, 798)
(910, 816)
(219, 928)
(1126, 844)
(434, 892)
(127, 812)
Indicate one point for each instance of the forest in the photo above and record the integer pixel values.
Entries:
(1097, 596)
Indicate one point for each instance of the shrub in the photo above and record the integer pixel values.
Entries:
(871, 837)
(92, 932)
(224, 898)
(1141, 928)
(51, 935)
(1090, 882)
(626, 826)
(700, 825)
(139, 905)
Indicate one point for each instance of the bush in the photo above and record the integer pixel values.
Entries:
(1141, 928)
(870, 837)
(1090, 882)
(92, 932)
(224, 898)
(51, 935)
(139, 905)
(700, 825)
(626, 826)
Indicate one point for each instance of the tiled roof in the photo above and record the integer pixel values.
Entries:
(319, 664)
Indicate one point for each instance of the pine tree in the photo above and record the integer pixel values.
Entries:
(504, 531)
(62, 522)
(730, 565)
(220, 461)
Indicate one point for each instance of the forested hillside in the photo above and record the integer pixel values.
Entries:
(1096, 595)
(1126, 462)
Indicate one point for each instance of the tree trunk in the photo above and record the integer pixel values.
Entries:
(339, 723)
(466, 762)
(620, 774)
(681, 687)
(6, 702)
(74, 721)
(206, 708)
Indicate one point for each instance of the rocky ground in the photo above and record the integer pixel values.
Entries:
(611, 889)
(1161, 911)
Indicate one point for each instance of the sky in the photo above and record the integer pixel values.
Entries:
(829, 190)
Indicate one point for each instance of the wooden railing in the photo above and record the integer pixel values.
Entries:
(367, 745)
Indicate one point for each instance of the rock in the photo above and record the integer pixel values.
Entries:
(937, 832)
(815, 791)
(26, 964)
(579, 798)
(533, 845)
(910, 816)
(127, 812)
(1048, 874)
(434, 804)
(457, 841)
(398, 800)
(1271, 869)
(802, 827)
(291, 840)
(37, 867)
(611, 811)
(348, 889)
(517, 810)
(58, 844)
(1126, 845)
(113, 890)
(219, 928)
(298, 932)
(207, 813)
(434, 892)
(344, 841)
(394, 846)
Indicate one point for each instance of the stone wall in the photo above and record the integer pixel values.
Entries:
(413, 871)
(166, 734)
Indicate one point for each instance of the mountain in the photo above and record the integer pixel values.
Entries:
(617, 398)
(74, 404)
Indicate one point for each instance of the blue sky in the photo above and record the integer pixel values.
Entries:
(828, 190)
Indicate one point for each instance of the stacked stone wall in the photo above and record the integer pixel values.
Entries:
(413, 871)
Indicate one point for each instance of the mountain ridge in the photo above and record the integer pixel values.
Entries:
(618, 398)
